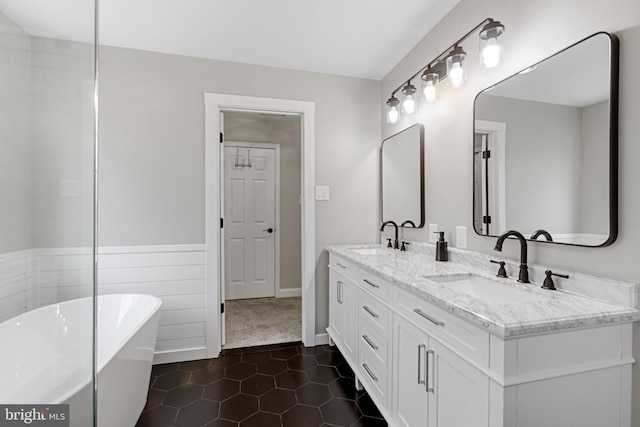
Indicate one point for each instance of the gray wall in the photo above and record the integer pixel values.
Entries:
(15, 138)
(152, 149)
(46, 143)
(534, 30)
(285, 132)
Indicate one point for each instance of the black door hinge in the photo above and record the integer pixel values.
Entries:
(486, 154)
(486, 219)
(221, 137)
(222, 308)
(221, 222)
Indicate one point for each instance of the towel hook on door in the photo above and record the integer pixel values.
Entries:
(237, 163)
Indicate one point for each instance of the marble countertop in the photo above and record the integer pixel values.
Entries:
(551, 310)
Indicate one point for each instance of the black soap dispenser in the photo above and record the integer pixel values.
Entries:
(441, 248)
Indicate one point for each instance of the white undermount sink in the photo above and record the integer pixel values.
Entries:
(368, 251)
(485, 289)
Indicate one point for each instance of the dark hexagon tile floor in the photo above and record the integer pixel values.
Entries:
(282, 385)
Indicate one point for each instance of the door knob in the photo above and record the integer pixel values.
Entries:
(269, 230)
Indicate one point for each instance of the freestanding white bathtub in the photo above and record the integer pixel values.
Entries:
(46, 357)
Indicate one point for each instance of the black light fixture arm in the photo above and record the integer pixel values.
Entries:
(445, 53)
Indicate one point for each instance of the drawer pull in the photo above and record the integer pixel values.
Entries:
(429, 318)
(370, 283)
(421, 349)
(341, 265)
(366, 368)
(432, 388)
(371, 312)
(368, 340)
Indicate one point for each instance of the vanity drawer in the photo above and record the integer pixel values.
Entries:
(375, 285)
(373, 374)
(347, 269)
(375, 311)
(370, 337)
(457, 333)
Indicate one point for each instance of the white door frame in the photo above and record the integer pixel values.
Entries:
(276, 222)
(214, 105)
(496, 132)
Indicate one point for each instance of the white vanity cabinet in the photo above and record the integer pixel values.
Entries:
(425, 366)
(343, 308)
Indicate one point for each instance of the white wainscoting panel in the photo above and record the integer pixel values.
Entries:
(16, 292)
(175, 274)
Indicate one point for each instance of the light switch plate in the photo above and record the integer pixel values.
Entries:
(461, 237)
(433, 229)
(322, 192)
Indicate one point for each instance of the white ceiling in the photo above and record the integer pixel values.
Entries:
(360, 38)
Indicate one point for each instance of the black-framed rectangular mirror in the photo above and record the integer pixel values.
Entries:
(402, 177)
(546, 148)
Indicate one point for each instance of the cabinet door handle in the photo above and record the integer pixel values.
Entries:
(371, 312)
(341, 265)
(366, 338)
(429, 318)
(421, 347)
(432, 388)
(339, 292)
(370, 283)
(366, 368)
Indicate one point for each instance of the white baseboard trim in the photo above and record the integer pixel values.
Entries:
(288, 292)
(179, 355)
(322, 339)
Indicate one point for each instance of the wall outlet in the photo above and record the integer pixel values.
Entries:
(461, 237)
(433, 229)
(322, 192)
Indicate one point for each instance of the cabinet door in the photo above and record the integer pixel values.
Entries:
(410, 396)
(458, 392)
(350, 318)
(336, 307)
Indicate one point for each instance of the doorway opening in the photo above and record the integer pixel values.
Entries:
(216, 107)
(489, 210)
(261, 190)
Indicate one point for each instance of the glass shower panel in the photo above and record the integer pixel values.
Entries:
(47, 205)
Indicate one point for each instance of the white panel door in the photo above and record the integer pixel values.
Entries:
(249, 219)
(410, 397)
(459, 394)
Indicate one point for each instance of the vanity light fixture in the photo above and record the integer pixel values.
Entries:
(449, 65)
(455, 67)
(409, 102)
(393, 113)
(491, 49)
(430, 79)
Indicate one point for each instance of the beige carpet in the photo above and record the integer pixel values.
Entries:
(261, 321)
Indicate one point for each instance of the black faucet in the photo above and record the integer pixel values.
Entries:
(523, 277)
(539, 233)
(384, 224)
(408, 222)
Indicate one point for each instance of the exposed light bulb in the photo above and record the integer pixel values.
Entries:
(393, 115)
(456, 74)
(430, 91)
(491, 53)
(409, 104)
